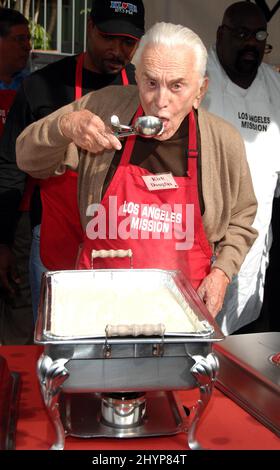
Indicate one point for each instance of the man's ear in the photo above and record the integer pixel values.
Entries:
(201, 93)
(90, 25)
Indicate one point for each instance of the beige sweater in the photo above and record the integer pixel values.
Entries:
(230, 203)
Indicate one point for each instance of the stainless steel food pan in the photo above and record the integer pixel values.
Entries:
(78, 306)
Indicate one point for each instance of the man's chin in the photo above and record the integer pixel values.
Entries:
(247, 66)
(113, 69)
(165, 135)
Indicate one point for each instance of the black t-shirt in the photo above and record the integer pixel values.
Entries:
(43, 92)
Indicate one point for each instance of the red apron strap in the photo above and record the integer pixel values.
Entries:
(79, 77)
(192, 150)
(124, 77)
(130, 141)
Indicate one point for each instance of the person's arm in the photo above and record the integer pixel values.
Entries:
(12, 184)
(43, 146)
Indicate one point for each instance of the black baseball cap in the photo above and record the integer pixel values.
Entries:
(119, 18)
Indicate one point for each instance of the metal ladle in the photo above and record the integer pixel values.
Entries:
(145, 126)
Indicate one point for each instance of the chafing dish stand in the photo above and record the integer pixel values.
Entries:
(81, 378)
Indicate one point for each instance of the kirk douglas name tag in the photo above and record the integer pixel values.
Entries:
(160, 181)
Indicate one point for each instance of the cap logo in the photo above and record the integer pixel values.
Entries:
(124, 7)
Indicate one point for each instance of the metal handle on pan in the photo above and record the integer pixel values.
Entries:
(135, 330)
(111, 254)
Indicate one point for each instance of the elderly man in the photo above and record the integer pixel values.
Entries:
(181, 200)
(246, 92)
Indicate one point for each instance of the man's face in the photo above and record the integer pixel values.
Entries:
(15, 48)
(240, 52)
(109, 54)
(169, 85)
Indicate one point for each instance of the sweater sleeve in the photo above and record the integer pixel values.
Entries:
(42, 148)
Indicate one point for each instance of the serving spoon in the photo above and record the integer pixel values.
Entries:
(145, 126)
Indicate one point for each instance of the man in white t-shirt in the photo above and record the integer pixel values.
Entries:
(246, 92)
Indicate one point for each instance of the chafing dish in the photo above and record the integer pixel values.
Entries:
(94, 374)
(250, 374)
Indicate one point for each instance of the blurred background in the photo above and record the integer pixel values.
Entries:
(58, 27)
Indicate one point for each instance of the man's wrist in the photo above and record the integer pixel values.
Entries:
(221, 273)
(64, 126)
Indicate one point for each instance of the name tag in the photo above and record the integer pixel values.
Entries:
(160, 181)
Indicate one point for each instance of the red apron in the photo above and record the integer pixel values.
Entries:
(61, 230)
(6, 100)
(163, 228)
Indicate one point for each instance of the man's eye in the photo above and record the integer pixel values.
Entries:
(242, 33)
(176, 86)
(106, 37)
(129, 42)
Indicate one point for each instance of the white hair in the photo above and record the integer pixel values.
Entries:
(172, 36)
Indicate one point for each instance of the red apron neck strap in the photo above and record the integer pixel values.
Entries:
(192, 150)
(192, 147)
(79, 77)
(124, 77)
(130, 141)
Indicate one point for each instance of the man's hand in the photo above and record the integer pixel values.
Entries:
(212, 290)
(8, 271)
(88, 131)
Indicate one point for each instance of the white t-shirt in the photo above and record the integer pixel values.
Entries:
(255, 114)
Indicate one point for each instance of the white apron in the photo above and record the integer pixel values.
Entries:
(255, 114)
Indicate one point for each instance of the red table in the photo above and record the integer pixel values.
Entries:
(225, 426)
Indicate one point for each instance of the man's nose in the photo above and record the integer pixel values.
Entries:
(117, 47)
(252, 41)
(162, 98)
